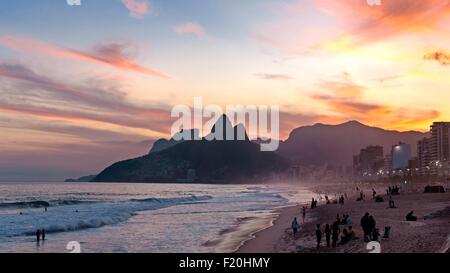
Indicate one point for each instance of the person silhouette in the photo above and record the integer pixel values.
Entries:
(38, 235)
(327, 234)
(318, 235)
(304, 213)
(295, 226)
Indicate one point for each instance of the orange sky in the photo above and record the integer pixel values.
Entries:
(112, 80)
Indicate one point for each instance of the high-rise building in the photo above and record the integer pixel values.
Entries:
(369, 160)
(387, 166)
(440, 138)
(424, 155)
(434, 152)
(401, 154)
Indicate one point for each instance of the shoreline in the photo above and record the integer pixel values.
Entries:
(232, 239)
(431, 233)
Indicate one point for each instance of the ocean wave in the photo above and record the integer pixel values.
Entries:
(84, 224)
(41, 204)
(29, 204)
(89, 215)
(192, 198)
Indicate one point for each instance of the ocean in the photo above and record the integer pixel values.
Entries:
(137, 218)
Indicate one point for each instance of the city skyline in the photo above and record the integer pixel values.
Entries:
(84, 86)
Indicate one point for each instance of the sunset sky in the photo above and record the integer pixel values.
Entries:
(84, 86)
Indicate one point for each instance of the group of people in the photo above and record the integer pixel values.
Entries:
(40, 234)
(391, 203)
(345, 220)
(395, 190)
(368, 224)
(332, 234)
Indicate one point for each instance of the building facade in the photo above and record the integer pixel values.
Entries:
(369, 160)
(434, 152)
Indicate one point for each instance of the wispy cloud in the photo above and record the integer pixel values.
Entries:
(37, 95)
(269, 76)
(351, 23)
(112, 54)
(439, 56)
(346, 99)
(137, 8)
(392, 17)
(191, 28)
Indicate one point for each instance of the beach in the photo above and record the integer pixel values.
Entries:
(429, 234)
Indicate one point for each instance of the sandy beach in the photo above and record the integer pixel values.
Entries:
(429, 234)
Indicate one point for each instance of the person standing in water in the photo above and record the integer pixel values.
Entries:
(43, 234)
(38, 235)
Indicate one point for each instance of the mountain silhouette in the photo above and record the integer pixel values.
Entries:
(336, 144)
(212, 161)
(162, 144)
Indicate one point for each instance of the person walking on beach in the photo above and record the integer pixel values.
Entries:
(318, 235)
(43, 234)
(303, 213)
(295, 226)
(365, 224)
(335, 234)
(327, 234)
(38, 235)
(374, 193)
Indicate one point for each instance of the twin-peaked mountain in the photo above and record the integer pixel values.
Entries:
(241, 160)
(209, 161)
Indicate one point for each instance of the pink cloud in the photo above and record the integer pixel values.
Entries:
(88, 101)
(302, 26)
(113, 54)
(191, 28)
(138, 9)
(390, 18)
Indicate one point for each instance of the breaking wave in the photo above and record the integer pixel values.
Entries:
(85, 215)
